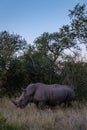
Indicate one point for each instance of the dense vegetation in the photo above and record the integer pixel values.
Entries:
(52, 58)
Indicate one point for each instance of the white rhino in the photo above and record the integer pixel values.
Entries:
(43, 94)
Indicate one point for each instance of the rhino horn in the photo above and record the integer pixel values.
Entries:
(14, 102)
(23, 89)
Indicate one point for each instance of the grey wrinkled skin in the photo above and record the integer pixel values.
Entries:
(42, 95)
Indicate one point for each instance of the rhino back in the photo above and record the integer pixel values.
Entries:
(60, 94)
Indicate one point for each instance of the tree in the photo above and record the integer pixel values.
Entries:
(10, 44)
(53, 45)
(78, 18)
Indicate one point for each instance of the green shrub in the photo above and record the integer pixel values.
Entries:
(75, 75)
(6, 126)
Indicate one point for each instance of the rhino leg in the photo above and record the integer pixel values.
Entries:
(41, 104)
(66, 104)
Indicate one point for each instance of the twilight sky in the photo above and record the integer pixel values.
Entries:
(30, 18)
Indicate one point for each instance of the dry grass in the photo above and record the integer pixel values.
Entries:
(30, 118)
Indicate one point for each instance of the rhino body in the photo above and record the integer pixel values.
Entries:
(42, 94)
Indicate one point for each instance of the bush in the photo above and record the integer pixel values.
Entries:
(15, 77)
(75, 75)
(5, 126)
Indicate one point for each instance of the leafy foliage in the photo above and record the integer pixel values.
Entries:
(79, 22)
(74, 74)
(10, 45)
(15, 76)
(6, 126)
(52, 45)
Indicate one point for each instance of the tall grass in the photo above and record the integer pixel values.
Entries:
(30, 118)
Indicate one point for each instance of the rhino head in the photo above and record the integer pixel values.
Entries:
(23, 100)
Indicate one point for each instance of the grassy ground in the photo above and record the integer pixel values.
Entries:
(30, 118)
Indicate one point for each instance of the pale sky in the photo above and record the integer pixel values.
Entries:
(30, 18)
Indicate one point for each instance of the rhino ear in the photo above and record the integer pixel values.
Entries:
(24, 90)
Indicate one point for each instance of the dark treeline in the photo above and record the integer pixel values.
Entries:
(52, 58)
